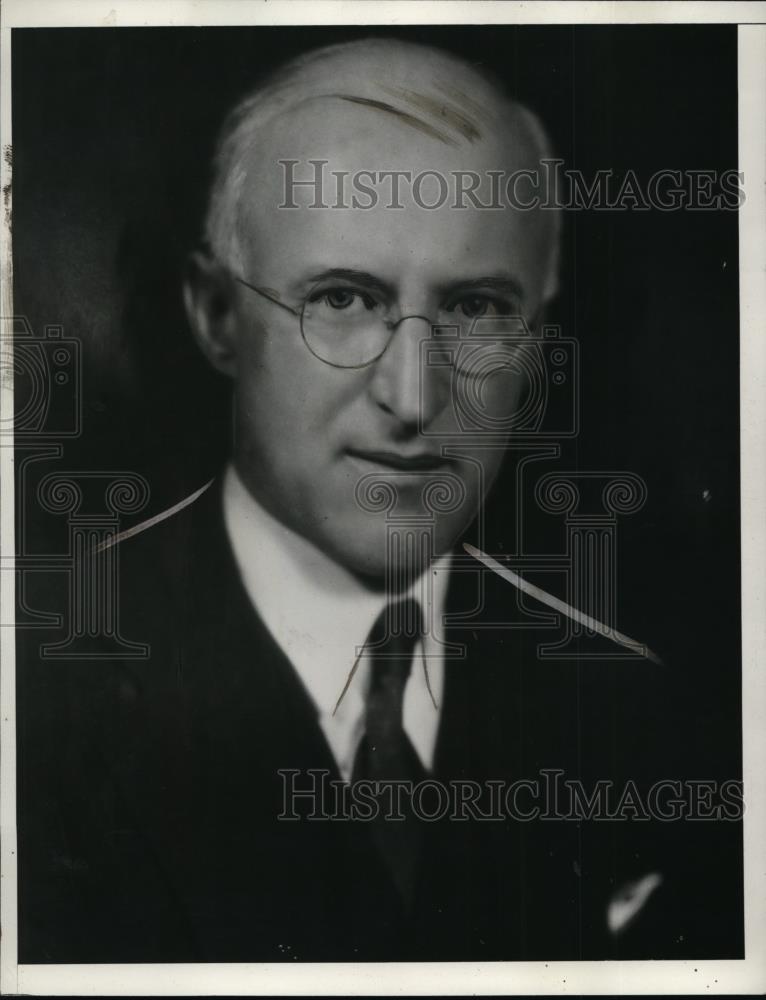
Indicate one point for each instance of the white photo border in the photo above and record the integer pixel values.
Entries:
(746, 976)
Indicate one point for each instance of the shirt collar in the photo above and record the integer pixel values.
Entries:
(318, 612)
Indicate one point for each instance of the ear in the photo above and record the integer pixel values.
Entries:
(209, 299)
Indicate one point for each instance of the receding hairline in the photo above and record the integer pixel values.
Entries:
(416, 83)
(362, 54)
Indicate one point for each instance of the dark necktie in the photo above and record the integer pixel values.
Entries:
(385, 752)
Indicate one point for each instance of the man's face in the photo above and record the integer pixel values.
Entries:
(313, 439)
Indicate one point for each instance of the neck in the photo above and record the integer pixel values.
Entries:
(396, 575)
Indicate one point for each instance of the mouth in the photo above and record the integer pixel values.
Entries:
(420, 462)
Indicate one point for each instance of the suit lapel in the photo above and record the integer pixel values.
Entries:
(253, 686)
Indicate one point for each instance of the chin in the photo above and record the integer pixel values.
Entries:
(372, 550)
(362, 552)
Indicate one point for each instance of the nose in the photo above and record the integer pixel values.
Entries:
(401, 384)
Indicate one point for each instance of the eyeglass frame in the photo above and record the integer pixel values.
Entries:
(298, 314)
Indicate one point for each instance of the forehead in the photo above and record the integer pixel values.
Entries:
(342, 145)
(394, 130)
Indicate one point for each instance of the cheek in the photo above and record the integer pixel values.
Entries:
(485, 404)
(287, 399)
(501, 391)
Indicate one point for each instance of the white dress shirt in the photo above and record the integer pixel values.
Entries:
(321, 615)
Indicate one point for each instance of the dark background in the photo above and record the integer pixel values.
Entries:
(112, 133)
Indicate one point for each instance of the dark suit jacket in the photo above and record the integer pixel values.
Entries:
(149, 795)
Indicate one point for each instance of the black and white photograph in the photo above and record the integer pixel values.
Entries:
(383, 525)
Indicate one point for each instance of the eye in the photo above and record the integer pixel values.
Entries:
(344, 299)
(475, 305)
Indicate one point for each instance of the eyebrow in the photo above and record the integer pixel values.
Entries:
(506, 284)
(352, 274)
(499, 282)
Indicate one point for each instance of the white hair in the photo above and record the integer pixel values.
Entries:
(412, 76)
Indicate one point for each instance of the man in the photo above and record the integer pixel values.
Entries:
(303, 613)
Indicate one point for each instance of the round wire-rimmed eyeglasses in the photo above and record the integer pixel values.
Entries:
(348, 327)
